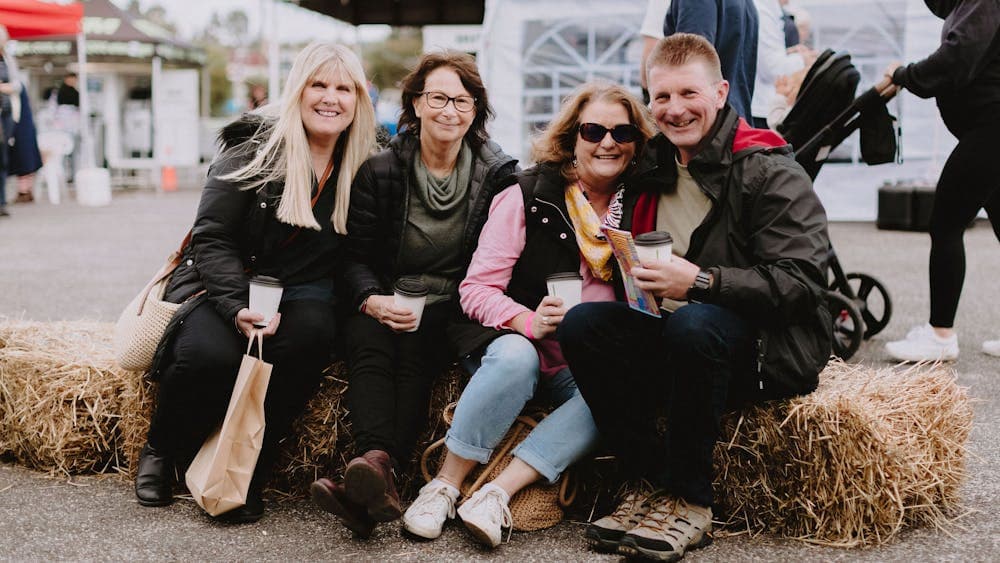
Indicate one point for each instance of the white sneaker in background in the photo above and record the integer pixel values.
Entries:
(922, 344)
(486, 514)
(992, 347)
(435, 504)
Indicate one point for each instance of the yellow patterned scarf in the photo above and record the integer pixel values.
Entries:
(587, 224)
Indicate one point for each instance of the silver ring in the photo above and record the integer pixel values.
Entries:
(545, 320)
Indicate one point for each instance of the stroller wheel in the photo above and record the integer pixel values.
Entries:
(848, 326)
(872, 300)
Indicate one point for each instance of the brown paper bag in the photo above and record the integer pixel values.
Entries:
(220, 474)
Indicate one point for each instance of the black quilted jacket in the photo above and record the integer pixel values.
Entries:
(379, 199)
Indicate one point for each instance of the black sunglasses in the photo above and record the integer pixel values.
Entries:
(624, 133)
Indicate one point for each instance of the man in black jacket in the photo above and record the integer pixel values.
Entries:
(744, 315)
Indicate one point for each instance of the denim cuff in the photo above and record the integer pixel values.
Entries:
(466, 451)
(537, 462)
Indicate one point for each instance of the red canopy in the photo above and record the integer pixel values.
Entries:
(34, 18)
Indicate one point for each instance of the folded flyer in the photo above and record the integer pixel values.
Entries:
(624, 248)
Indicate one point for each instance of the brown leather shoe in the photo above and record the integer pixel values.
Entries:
(370, 481)
(24, 197)
(331, 497)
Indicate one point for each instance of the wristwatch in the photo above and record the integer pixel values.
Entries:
(701, 288)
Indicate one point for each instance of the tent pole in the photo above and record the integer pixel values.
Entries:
(86, 145)
(273, 56)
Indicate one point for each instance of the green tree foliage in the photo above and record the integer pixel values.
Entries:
(389, 60)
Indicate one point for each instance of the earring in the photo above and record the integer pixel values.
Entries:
(575, 163)
(633, 162)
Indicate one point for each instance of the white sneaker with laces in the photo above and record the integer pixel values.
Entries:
(427, 515)
(923, 345)
(991, 347)
(486, 514)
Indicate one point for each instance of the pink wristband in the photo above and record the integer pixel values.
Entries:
(527, 326)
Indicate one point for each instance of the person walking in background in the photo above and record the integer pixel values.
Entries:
(731, 26)
(275, 204)
(745, 316)
(651, 32)
(8, 90)
(417, 209)
(774, 59)
(68, 95)
(963, 74)
(574, 188)
(25, 157)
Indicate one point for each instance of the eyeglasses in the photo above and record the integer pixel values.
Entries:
(594, 132)
(438, 100)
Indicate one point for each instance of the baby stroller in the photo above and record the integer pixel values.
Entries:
(824, 114)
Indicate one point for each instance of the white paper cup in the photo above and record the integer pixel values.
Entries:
(656, 245)
(412, 294)
(568, 286)
(265, 296)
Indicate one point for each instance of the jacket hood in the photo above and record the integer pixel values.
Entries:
(941, 8)
(241, 130)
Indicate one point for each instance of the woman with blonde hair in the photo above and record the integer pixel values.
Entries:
(275, 204)
(548, 222)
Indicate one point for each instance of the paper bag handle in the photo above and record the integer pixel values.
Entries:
(259, 335)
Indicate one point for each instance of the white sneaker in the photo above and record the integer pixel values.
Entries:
(435, 504)
(486, 514)
(922, 344)
(991, 347)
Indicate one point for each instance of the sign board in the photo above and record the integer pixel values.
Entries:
(175, 127)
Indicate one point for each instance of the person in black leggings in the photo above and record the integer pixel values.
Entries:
(963, 74)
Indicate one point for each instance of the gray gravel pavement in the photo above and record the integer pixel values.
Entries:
(69, 262)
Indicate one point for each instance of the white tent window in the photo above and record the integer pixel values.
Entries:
(560, 56)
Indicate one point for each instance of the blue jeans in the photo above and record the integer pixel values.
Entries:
(504, 379)
(691, 365)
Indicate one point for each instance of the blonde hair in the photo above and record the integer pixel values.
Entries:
(282, 151)
(557, 143)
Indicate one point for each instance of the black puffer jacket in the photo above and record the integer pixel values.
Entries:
(379, 200)
(765, 240)
(236, 235)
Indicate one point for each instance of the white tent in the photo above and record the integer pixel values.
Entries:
(535, 52)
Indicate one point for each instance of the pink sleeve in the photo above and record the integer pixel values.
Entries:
(500, 245)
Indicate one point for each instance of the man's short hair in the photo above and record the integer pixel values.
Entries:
(682, 48)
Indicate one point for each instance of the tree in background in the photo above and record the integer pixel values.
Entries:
(389, 60)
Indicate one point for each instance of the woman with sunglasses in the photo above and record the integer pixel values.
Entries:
(416, 212)
(548, 222)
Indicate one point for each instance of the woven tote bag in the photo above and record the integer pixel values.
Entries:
(142, 324)
(535, 507)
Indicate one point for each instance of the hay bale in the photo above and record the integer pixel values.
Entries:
(60, 395)
(870, 452)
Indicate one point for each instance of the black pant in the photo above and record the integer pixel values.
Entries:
(630, 367)
(970, 181)
(197, 382)
(391, 375)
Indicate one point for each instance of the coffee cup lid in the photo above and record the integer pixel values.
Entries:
(410, 287)
(266, 281)
(654, 238)
(559, 276)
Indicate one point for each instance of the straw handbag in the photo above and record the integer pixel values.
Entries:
(144, 321)
(535, 507)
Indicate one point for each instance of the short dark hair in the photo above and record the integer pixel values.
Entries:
(464, 66)
(682, 48)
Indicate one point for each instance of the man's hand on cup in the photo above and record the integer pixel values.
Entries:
(383, 309)
(246, 318)
(666, 279)
(547, 317)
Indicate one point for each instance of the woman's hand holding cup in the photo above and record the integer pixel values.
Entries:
(547, 317)
(246, 318)
(383, 309)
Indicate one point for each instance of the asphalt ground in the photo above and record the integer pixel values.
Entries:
(69, 262)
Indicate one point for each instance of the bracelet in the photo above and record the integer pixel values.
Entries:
(527, 326)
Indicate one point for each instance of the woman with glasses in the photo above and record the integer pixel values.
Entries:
(548, 222)
(416, 212)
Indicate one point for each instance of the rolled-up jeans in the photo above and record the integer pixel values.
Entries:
(506, 377)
